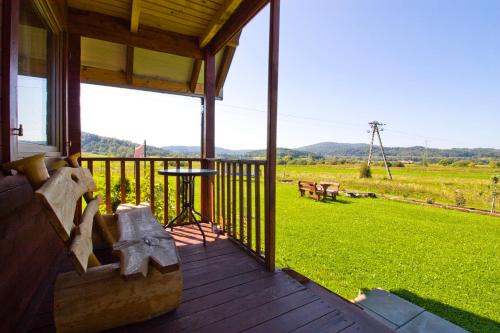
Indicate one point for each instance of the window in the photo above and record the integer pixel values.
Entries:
(38, 109)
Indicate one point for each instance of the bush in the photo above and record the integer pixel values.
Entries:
(494, 164)
(398, 164)
(365, 171)
(116, 193)
(429, 200)
(445, 162)
(461, 163)
(459, 199)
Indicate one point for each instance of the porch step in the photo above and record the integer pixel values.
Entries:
(403, 316)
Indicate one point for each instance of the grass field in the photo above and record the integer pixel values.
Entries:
(444, 261)
(417, 182)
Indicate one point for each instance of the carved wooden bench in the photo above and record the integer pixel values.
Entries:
(96, 297)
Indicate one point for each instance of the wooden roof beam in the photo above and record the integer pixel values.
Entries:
(222, 15)
(240, 17)
(119, 79)
(227, 58)
(129, 66)
(116, 30)
(135, 12)
(195, 74)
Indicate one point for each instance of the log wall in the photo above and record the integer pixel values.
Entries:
(29, 248)
(1, 55)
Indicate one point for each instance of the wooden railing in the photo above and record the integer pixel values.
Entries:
(239, 202)
(237, 196)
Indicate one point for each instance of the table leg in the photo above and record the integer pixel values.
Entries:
(199, 227)
(187, 198)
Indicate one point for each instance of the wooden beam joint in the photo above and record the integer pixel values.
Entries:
(116, 30)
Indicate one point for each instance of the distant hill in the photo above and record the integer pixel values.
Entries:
(195, 150)
(330, 149)
(96, 144)
(281, 152)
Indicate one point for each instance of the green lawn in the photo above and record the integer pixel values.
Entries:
(413, 181)
(442, 260)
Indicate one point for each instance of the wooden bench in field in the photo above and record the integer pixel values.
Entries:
(147, 282)
(319, 191)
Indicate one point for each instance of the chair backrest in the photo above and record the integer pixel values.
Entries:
(60, 195)
(307, 186)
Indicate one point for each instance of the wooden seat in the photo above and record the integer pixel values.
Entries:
(96, 297)
(319, 191)
(332, 189)
(313, 189)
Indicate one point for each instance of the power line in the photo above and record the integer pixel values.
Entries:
(345, 125)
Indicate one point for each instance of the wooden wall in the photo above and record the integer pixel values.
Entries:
(1, 55)
(29, 249)
(28, 245)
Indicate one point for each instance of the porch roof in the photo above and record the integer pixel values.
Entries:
(158, 45)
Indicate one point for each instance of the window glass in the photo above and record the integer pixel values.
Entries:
(34, 78)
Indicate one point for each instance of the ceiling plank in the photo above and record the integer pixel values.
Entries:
(222, 15)
(118, 79)
(240, 17)
(195, 74)
(115, 30)
(227, 58)
(135, 12)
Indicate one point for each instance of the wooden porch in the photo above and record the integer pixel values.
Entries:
(227, 290)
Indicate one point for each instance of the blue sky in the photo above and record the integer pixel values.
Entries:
(429, 69)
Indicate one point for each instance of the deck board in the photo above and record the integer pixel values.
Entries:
(227, 290)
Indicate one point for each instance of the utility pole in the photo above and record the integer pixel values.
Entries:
(494, 183)
(371, 148)
(376, 128)
(426, 154)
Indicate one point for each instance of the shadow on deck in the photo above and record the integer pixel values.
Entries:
(227, 290)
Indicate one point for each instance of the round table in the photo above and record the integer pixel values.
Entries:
(187, 194)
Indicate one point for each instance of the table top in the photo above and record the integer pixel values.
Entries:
(187, 172)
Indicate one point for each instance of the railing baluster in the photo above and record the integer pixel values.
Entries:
(257, 208)
(249, 206)
(178, 192)
(217, 196)
(90, 166)
(152, 185)
(241, 203)
(228, 212)
(123, 193)
(137, 182)
(233, 218)
(108, 186)
(190, 166)
(265, 222)
(223, 195)
(165, 194)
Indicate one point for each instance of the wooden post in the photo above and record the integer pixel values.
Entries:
(74, 122)
(8, 108)
(272, 117)
(208, 142)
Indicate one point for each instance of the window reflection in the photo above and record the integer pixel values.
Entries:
(34, 76)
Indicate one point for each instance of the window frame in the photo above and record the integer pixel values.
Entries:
(56, 83)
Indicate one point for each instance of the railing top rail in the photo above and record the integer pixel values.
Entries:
(168, 159)
(174, 159)
(244, 161)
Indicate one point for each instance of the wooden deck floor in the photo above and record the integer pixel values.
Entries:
(226, 290)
